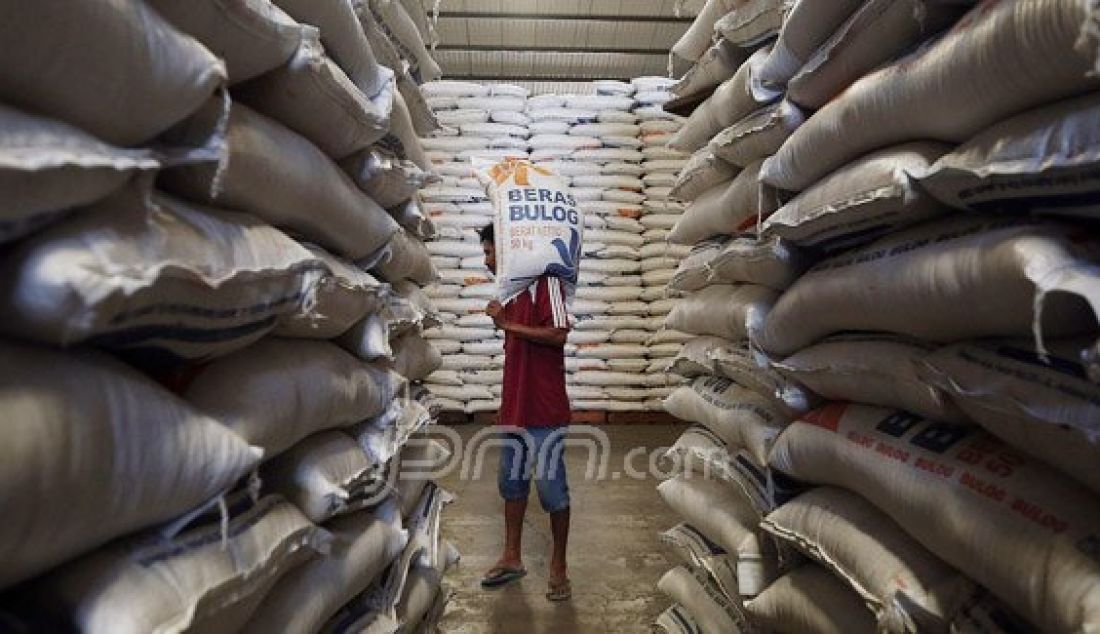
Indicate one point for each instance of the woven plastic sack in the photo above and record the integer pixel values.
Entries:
(1011, 523)
(79, 420)
(539, 228)
(987, 68)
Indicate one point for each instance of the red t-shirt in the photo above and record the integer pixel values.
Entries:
(534, 373)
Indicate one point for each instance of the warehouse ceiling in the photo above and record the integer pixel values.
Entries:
(555, 40)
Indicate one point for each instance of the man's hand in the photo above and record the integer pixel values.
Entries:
(495, 310)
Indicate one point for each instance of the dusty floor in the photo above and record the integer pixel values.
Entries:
(615, 556)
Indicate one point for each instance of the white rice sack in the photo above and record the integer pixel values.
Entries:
(772, 263)
(703, 171)
(541, 231)
(811, 599)
(284, 179)
(725, 209)
(616, 116)
(402, 140)
(195, 579)
(602, 130)
(1012, 524)
(865, 199)
(693, 272)
(414, 357)
(1044, 405)
(495, 155)
(313, 97)
(440, 104)
(455, 143)
(155, 279)
(451, 88)
(694, 42)
(545, 101)
(598, 102)
(608, 155)
(905, 586)
(402, 31)
(735, 99)
(759, 135)
(324, 475)
(510, 118)
(986, 69)
(872, 369)
(548, 127)
(422, 119)
(48, 167)
(1004, 271)
(279, 391)
(363, 544)
(755, 22)
(493, 104)
(663, 154)
(567, 115)
(462, 117)
(714, 67)
(656, 113)
(623, 196)
(726, 517)
(707, 606)
(624, 168)
(551, 154)
(82, 421)
(741, 417)
(622, 142)
(115, 69)
(510, 90)
(744, 366)
(251, 37)
(344, 295)
(604, 378)
(1042, 161)
(344, 39)
(876, 33)
(806, 27)
(562, 141)
(493, 130)
(390, 181)
(406, 258)
(613, 88)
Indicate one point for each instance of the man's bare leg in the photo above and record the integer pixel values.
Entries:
(559, 529)
(514, 511)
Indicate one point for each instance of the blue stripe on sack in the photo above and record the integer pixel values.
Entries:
(1030, 357)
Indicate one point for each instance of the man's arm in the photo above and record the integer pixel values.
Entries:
(538, 334)
(545, 335)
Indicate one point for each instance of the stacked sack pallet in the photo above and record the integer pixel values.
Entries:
(211, 321)
(592, 141)
(933, 224)
(661, 211)
(480, 123)
(720, 293)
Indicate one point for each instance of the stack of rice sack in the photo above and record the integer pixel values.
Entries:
(659, 257)
(480, 123)
(231, 474)
(951, 316)
(726, 283)
(592, 141)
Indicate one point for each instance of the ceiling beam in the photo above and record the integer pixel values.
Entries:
(538, 48)
(496, 15)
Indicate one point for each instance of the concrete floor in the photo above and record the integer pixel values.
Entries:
(615, 555)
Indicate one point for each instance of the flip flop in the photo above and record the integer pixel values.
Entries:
(499, 576)
(560, 592)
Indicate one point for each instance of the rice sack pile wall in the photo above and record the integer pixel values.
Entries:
(895, 289)
(212, 318)
(603, 144)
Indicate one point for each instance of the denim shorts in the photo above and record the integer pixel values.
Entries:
(538, 453)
